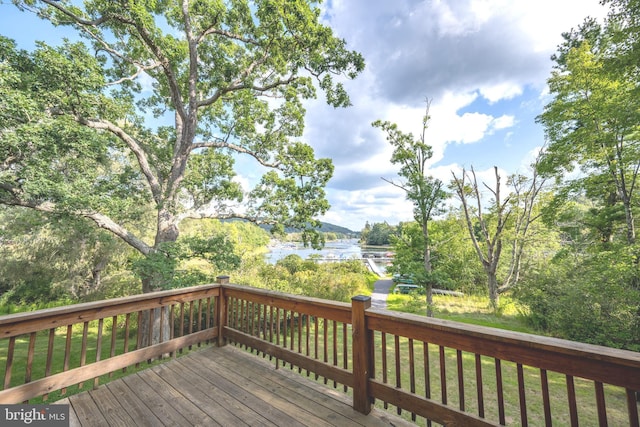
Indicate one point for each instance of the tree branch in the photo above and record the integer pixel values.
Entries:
(236, 148)
(56, 4)
(101, 220)
(138, 151)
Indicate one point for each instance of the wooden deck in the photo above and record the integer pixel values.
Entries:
(219, 386)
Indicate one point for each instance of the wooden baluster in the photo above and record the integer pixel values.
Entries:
(114, 334)
(172, 322)
(601, 405)
(632, 407)
(200, 318)
(292, 328)
(277, 332)
(427, 374)
(500, 391)
(191, 310)
(573, 407)
(251, 319)
(460, 379)
(300, 317)
(9, 364)
(412, 373)
(315, 339)
(398, 370)
(383, 340)
(96, 380)
(325, 341)
(335, 348)
(522, 396)
(479, 388)
(162, 317)
(181, 330)
(443, 375)
(546, 401)
(345, 353)
(307, 326)
(47, 369)
(67, 354)
(270, 328)
(244, 313)
(83, 350)
(207, 316)
(250, 314)
(30, 354)
(127, 325)
(152, 318)
(285, 333)
(264, 327)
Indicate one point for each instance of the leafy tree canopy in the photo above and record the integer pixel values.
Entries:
(150, 110)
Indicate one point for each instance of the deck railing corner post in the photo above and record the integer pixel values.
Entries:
(221, 313)
(361, 348)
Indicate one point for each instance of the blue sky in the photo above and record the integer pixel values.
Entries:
(483, 63)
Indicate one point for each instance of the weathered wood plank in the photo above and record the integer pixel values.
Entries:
(160, 406)
(168, 393)
(228, 394)
(270, 397)
(74, 417)
(111, 409)
(222, 415)
(134, 405)
(305, 411)
(219, 386)
(315, 394)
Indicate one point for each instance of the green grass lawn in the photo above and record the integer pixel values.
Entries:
(474, 310)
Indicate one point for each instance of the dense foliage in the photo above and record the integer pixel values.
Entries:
(85, 135)
(337, 281)
(378, 234)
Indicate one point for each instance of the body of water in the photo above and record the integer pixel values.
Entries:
(338, 249)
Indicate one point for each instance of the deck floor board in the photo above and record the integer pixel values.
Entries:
(219, 386)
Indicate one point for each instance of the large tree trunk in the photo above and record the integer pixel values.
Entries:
(155, 323)
(493, 289)
(155, 326)
(428, 267)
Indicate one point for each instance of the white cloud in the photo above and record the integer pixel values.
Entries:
(499, 91)
(503, 122)
(478, 60)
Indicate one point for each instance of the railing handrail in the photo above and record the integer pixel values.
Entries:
(334, 310)
(33, 321)
(570, 357)
(495, 335)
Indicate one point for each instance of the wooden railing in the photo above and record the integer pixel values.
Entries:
(427, 369)
(443, 372)
(47, 351)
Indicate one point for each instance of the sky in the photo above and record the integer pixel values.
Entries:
(482, 63)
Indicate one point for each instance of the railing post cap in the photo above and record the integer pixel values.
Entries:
(360, 298)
